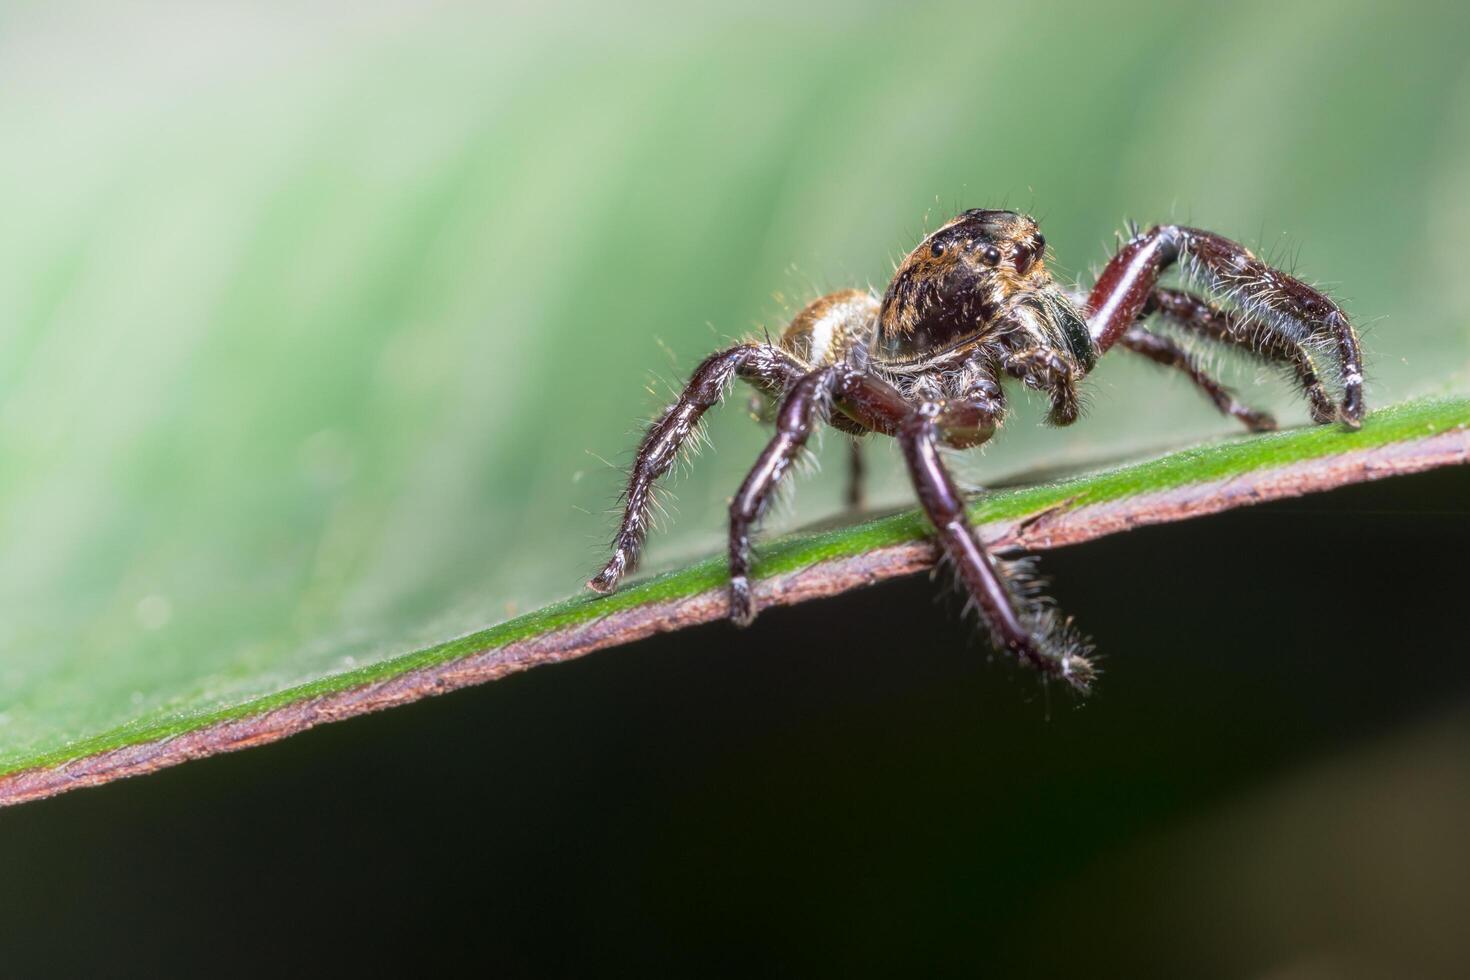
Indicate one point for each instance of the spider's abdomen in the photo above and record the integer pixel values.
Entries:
(832, 327)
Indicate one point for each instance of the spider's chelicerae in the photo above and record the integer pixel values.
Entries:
(972, 305)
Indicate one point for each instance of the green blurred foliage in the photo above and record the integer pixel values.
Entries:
(324, 332)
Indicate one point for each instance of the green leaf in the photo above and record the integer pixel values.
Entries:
(1405, 439)
(316, 330)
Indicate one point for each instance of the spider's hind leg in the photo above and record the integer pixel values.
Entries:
(857, 471)
(1165, 351)
(762, 364)
(1199, 316)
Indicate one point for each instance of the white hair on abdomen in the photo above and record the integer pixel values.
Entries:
(823, 329)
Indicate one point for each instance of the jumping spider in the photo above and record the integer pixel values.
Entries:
(971, 305)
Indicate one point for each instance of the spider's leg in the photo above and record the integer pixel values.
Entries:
(1275, 302)
(1167, 352)
(770, 367)
(798, 414)
(1030, 630)
(856, 476)
(1198, 315)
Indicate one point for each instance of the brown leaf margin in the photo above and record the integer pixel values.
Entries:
(1051, 528)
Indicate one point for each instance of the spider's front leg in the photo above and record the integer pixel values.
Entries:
(1284, 310)
(762, 364)
(1039, 638)
(800, 411)
(1030, 630)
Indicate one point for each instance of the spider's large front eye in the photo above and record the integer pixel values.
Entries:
(1026, 255)
(990, 255)
(1023, 259)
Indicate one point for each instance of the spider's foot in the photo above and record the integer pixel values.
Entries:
(606, 581)
(1256, 421)
(1324, 409)
(742, 602)
(1253, 419)
(1057, 649)
(1350, 414)
(1079, 671)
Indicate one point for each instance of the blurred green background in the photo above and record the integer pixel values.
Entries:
(324, 332)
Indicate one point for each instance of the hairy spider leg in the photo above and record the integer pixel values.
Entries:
(1167, 352)
(1274, 302)
(1045, 643)
(942, 501)
(800, 411)
(1198, 315)
(766, 366)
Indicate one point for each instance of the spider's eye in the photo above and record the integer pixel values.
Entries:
(936, 250)
(990, 255)
(1040, 243)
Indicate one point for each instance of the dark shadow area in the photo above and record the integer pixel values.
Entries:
(853, 786)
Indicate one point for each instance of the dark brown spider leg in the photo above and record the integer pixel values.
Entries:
(770, 367)
(1198, 315)
(1164, 351)
(797, 415)
(1278, 303)
(1039, 637)
(856, 476)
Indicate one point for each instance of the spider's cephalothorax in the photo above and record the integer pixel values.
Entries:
(981, 278)
(978, 290)
(972, 305)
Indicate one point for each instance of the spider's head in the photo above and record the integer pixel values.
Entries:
(949, 288)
